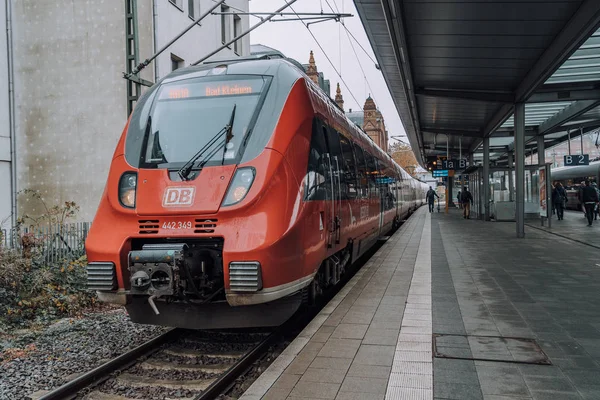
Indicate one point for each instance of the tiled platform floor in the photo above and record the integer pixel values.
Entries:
(573, 226)
(443, 275)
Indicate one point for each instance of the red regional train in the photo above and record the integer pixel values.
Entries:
(236, 192)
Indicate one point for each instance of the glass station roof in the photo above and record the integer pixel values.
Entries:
(582, 66)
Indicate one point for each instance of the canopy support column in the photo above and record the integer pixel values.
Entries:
(511, 183)
(520, 168)
(486, 178)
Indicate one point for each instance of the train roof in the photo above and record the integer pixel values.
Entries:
(575, 172)
(284, 68)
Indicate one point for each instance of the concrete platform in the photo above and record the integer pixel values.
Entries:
(453, 309)
(573, 226)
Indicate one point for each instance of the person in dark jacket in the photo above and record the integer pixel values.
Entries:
(466, 199)
(580, 198)
(431, 195)
(589, 198)
(559, 197)
(595, 186)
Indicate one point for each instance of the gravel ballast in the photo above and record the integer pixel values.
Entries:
(68, 348)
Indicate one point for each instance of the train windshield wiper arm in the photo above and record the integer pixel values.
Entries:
(185, 171)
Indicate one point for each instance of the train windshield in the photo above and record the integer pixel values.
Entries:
(186, 116)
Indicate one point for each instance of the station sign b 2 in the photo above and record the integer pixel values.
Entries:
(577, 159)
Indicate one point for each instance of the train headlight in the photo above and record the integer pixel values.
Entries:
(127, 188)
(239, 187)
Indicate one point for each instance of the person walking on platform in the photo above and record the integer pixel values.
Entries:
(466, 199)
(559, 198)
(431, 195)
(580, 198)
(589, 198)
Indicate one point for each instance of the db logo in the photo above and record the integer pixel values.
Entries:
(179, 197)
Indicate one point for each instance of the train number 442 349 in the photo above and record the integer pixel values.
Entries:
(177, 225)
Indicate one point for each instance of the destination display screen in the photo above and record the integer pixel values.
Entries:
(237, 87)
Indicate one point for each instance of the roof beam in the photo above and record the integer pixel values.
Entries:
(496, 97)
(452, 132)
(567, 95)
(585, 125)
(510, 132)
(569, 113)
(442, 147)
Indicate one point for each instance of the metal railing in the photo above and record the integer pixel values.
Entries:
(52, 243)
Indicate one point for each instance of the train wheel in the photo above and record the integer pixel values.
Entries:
(311, 293)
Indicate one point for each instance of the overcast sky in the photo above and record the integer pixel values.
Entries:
(294, 40)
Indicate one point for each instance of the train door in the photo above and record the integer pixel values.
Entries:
(374, 198)
(381, 183)
(363, 185)
(334, 159)
(332, 187)
(399, 199)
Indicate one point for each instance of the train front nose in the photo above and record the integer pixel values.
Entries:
(161, 193)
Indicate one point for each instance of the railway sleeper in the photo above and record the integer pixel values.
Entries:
(137, 381)
(171, 366)
(182, 352)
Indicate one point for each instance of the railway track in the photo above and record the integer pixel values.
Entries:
(184, 364)
(178, 364)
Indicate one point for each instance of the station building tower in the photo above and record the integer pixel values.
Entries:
(370, 120)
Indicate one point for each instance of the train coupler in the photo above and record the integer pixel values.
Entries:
(155, 270)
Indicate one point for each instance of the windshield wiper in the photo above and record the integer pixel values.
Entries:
(185, 171)
(229, 133)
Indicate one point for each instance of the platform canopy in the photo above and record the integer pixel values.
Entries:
(456, 68)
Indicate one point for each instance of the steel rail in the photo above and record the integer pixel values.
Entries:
(103, 372)
(235, 371)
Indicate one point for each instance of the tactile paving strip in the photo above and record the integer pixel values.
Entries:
(412, 367)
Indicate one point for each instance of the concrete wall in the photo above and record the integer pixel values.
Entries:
(200, 40)
(70, 98)
(5, 157)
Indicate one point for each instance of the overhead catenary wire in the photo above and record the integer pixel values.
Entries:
(241, 35)
(347, 30)
(353, 49)
(329, 60)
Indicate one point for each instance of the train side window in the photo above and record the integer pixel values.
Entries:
(372, 175)
(314, 181)
(335, 151)
(399, 186)
(386, 182)
(361, 167)
(350, 167)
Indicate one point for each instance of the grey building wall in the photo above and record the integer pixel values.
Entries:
(69, 56)
(71, 98)
(6, 188)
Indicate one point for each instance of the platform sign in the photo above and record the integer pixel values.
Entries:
(454, 164)
(577, 159)
(438, 173)
(385, 180)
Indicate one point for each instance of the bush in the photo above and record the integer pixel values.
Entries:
(33, 289)
(34, 292)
